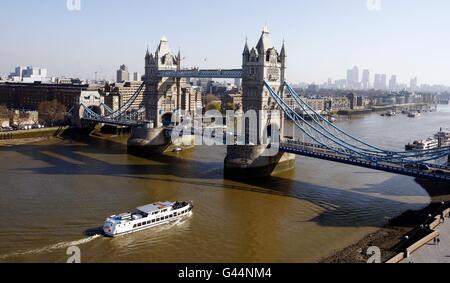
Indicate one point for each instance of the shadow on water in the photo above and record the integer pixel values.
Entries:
(337, 205)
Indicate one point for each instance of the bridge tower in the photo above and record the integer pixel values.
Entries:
(163, 99)
(163, 94)
(259, 64)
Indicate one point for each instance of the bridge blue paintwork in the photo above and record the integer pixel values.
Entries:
(386, 167)
(196, 73)
(331, 143)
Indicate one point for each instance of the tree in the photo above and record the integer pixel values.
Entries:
(215, 105)
(51, 112)
(211, 98)
(230, 106)
(4, 112)
(20, 118)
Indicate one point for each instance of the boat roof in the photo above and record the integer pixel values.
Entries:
(155, 206)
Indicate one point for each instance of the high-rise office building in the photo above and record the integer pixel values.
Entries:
(383, 82)
(413, 84)
(136, 77)
(123, 74)
(353, 78)
(393, 83)
(377, 81)
(366, 79)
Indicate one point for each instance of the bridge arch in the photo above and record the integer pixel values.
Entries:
(166, 119)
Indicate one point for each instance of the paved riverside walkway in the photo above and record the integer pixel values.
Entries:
(434, 253)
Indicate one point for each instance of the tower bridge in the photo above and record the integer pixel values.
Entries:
(264, 86)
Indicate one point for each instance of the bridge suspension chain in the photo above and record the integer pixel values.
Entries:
(341, 147)
(329, 127)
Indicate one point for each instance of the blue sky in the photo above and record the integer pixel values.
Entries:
(323, 37)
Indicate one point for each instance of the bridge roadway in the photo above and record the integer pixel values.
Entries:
(435, 173)
(113, 122)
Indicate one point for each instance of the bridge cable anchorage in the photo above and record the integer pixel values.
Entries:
(380, 152)
(342, 147)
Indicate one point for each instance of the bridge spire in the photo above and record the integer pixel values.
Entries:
(246, 49)
(264, 42)
(147, 54)
(283, 50)
(179, 58)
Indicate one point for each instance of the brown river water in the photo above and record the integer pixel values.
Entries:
(56, 194)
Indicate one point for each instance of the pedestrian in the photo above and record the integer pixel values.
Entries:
(434, 241)
(438, 241)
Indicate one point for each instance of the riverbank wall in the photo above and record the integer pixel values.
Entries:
(35, 133)
(402, 235)
(400, 107)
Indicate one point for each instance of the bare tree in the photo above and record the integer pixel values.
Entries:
(35, 119)
(4, 112)
(51, 112)
(19, 118)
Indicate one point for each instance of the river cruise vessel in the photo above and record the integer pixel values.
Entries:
(147, 216)
(429, 143)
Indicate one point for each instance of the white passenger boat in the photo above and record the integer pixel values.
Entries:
(427, 144)
(145, 217)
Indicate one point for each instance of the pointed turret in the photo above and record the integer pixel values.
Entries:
(246, 49)
(179, 59)
(264, 42)
(163, 47)
(245, 53)
(283, 51)
(147, 54)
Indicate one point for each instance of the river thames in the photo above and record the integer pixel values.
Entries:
(57, 194)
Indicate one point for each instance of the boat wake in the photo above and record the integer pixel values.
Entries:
(50, 248)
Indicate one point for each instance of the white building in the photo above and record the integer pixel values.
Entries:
(29, 74)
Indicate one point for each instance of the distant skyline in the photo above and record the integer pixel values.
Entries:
(324, 38)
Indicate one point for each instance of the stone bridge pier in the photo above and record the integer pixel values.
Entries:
(165, 97)
(261, 63)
